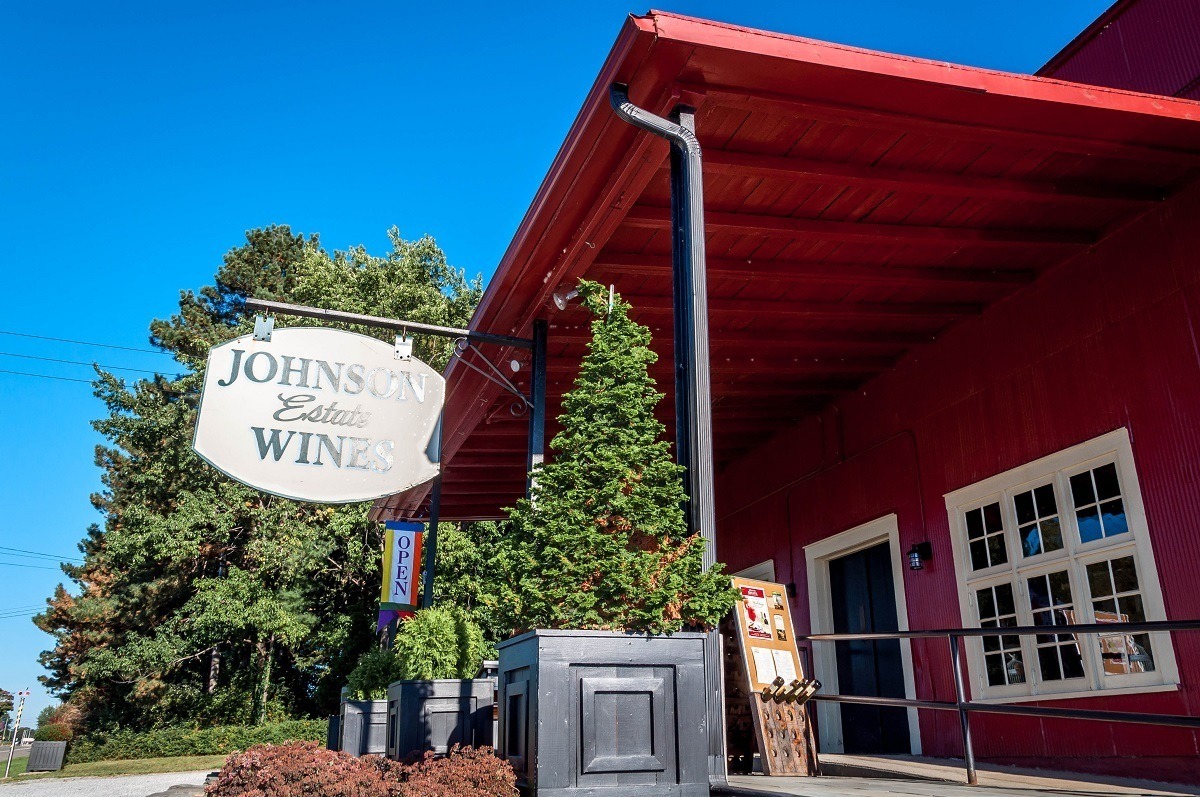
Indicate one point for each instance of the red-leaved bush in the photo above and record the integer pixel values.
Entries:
(303, 769)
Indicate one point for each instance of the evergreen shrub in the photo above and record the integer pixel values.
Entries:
(603, 543)
(433, 643)
(169, 742)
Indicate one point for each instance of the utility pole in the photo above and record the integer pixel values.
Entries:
(12, 745)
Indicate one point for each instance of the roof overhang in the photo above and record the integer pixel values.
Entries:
(857, 204)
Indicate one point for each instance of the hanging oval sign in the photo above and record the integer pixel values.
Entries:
(319, 415)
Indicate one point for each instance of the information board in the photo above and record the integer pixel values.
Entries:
(773, 679)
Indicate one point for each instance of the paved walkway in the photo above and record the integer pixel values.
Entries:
(758, 786)
(115, 786)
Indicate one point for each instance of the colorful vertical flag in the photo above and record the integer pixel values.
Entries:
(401, 567)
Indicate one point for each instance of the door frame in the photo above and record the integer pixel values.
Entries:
(817, 557)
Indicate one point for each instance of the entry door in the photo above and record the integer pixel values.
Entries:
(864, 601)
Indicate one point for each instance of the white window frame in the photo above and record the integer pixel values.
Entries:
(1074, 557)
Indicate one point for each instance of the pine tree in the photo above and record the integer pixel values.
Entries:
(602, 544)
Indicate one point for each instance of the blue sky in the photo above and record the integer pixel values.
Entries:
(142, 139)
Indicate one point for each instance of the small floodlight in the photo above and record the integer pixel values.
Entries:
(562, 299)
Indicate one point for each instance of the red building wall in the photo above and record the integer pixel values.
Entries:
(1107, 340)
(1141, 45)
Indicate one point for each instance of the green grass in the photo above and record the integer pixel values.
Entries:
(133, 766)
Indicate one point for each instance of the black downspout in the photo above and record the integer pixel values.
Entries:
(693, 394)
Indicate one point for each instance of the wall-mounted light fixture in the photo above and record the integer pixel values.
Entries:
(561, 299)
(919, 554)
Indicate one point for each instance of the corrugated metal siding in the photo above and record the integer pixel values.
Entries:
(1107, 340)
(1151, 46)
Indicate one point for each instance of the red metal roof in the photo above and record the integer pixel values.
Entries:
(857, 204)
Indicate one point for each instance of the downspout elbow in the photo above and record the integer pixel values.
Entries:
(679, 135)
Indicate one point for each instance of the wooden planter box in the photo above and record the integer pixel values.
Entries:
(364, 727)
(597, 713)
(436, 715)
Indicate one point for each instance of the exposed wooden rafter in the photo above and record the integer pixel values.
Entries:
(617, 263)
(649, 217)
(725, 162)
(825, 111)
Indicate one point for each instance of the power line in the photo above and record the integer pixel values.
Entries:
(40, 553)
(34, 555)
(20, 564)
(85, 343)
(46, 376)
(82, 362)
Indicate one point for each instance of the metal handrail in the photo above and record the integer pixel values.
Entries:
(964, 706)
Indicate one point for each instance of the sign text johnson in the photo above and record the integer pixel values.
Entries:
(319, 415)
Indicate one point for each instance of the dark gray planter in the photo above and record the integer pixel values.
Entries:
(595, 713)
(364, 727)
(436, 715)
(333, 732)
(46, 757)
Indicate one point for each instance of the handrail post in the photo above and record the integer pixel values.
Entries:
(960, 698)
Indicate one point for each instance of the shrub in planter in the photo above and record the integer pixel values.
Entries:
(602, 543)
(439, 643)
(433, 643)
(602, 571)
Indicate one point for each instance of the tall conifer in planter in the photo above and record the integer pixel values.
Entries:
(604, 577)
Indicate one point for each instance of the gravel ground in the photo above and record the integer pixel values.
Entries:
(117, 786)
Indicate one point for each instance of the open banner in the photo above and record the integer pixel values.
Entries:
(401, 566)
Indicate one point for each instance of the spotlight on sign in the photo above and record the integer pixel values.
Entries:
(561, 300)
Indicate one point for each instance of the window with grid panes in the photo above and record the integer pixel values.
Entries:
(1058, 542)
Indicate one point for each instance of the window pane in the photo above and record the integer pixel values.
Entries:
(1060, 587)
(1051, 535)
(1107, 485)
(1113, 514)
(1132, 610)
(974, 524)
(987, 604)
(1125, 574)
(991, 517)
(991, 643)
(1048, 663)
(1089, 524)
(1046, 505)
(1099, 584)
(1024, 506)
(995, 669)
(1081, 489)
(1031, 540)
(1004, 599)
(1141, 657)
(1071, 660)
(996, 549)
(1039, 593)
(979, 555)
(1014, 667)
(1105, 610)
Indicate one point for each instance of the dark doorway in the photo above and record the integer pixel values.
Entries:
(864, 601)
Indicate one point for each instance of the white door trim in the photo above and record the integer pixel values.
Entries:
(817, 557)
(763, 571)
